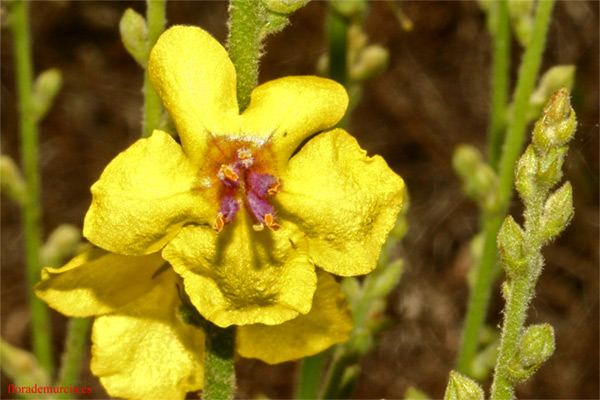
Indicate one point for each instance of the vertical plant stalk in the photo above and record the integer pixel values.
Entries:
(31, 209)
(337, 33)
(500, 75)
(528, 71)
(309, 377)
(156, 18)
(219, 371)
(77, 333)
(246, 19)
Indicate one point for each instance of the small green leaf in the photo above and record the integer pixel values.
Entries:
(388, 278)
(284, 6)
(462, 388)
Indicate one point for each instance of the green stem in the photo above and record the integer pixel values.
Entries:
(156, 17)
(219, 371)
(337, 33)
(74, 349)
(528, 72)
(246, 19)
(335, 375)
(310, 377)
(31, 210)
(500, 75)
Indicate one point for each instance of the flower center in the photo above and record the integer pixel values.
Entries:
(243, 184)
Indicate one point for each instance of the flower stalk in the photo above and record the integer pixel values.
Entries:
(546, 215)
(492, 221)
(156, 19)
(219, 381)
(75, 345)
(31, 208)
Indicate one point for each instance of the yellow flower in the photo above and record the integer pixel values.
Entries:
(142, 348)
(206, 203)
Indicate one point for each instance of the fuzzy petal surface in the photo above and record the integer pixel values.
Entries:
(288, 110)
(240, 276)
(97, 282)
(144, 196)
(328, 322)
(344, 201)
(196, 81)
(145, 351)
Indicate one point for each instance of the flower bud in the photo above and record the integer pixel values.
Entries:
(284, 6)
(349, 9)
(525, 180)
(412, 393)
(557, 123)
(462, 388)
(61, 244)
(371, 61)
(46, 87)
(521, 18)
(536, 346)
(558, 211)
(479, 179)
(21, 366)
(549, 170)
(11, 180)
(134, 35)
(552, 80)
(388, 278)
(465, 159)
(510, 243)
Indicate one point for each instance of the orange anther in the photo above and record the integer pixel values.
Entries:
(219, 223)
(228, 173)
(244, 154)
(275, 187)
(270, 222)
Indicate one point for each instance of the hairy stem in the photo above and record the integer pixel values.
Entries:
(500, 75)
(309, 377)
(156, 17)
(246, 20)
(219, 372)
(528, 72)
(74, 349)
(31, 209)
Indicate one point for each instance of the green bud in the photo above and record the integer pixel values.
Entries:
(466, 158)
(510, 243)
(558, 122)
(388, 278)
(462, 388)
(558, 212)
(549, 170)
(46, 87)
(536, 346)
(284, 6)
(61, 244)
(21, 366)
(525, 176)
(521, 18)
(552, 80)
(412, 393)
(11, 180)
(134, 35)
(370, 61)
(349, 9)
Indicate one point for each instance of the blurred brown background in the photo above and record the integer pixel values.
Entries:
(434, 95)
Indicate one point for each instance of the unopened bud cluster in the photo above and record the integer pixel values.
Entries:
(462, 388)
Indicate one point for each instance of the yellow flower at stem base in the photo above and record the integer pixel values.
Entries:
(143, 349)
(241, 210)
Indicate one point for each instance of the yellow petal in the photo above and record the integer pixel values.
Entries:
(240, 276)
(328, 322)
(288, 110)
(144, 197)
(145, 351)
(345, 202)
(97, 282)
(196, 82)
